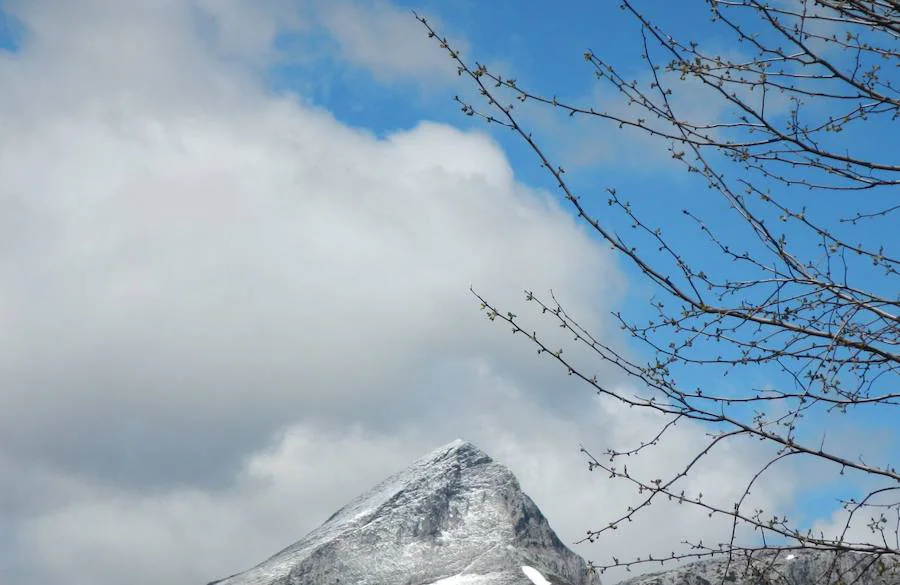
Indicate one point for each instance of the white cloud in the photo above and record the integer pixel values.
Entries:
(188, 535)
(189, 266)
(388, 41)
(584, 142)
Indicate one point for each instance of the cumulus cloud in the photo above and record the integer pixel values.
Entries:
(387, 41)
(226, 313)
(191, 535)
(188, 535)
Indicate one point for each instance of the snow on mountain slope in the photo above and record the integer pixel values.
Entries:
(535, 576)
(455, 517)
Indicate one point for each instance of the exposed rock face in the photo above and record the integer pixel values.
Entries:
(781, 568)
(455, 517)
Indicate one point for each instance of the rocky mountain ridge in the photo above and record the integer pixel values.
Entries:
(786, 567)
(455, 517)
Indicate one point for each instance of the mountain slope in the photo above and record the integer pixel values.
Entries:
(804, 567)
(455, 517)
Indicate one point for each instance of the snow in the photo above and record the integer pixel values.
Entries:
(535, 576)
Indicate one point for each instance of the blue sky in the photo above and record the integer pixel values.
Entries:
(541, 47)
(236, 272)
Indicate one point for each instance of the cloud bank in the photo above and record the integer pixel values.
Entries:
(225, 313)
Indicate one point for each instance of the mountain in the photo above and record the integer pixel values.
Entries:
(455, 517)
(799, 567)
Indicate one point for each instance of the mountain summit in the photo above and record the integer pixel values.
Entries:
(454, 517)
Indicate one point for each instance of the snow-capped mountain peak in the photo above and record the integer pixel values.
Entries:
(454, 517)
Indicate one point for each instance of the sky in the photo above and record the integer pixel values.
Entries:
(237, 244)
